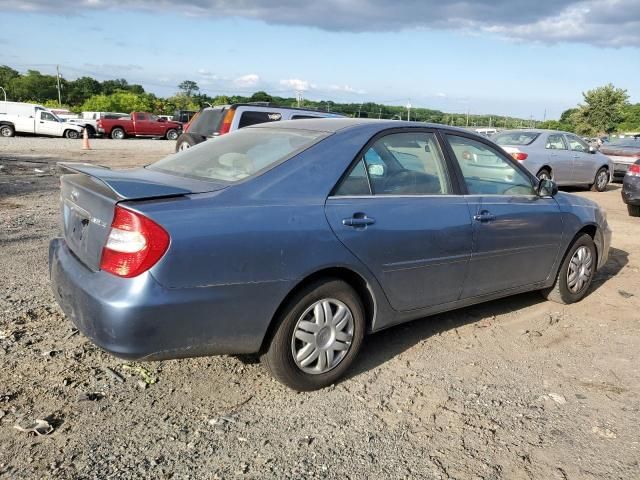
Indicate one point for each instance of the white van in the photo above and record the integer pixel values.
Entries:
(17, 117)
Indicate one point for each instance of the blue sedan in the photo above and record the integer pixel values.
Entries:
(295, 240)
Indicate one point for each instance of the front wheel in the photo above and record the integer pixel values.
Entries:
(72, 134)
(634, 210)
(601, 180)
(318, 336)
(575, 273)
(171, 134)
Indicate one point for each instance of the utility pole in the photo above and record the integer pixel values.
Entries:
(359, 108)
(544, 117)
(467, 117)
(409, 112)
(59, 94)
(380, 114)
(298, 97)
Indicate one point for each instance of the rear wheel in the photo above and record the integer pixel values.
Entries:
(171, 134)
(634, 210)
(575, 273)
(544, 174)
(7, 131)
(185, 142)
(117, 133)
(601, 180)
(72, 134)
(318, 336)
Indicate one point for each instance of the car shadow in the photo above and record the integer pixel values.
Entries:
(383, 346)
(618, 259)
(578, 189)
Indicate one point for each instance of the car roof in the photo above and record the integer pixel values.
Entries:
(268, 105)
(332, 125)
(536, 130)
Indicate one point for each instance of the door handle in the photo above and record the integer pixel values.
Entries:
(359, 220)
(484, 216)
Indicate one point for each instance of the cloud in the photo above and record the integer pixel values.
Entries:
(249, 80)
(345, 89)
(296, 84)
(610, 23)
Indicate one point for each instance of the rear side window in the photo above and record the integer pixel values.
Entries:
(238, 155)
(248, 118)
(515, 138)
(141, 116)
(556, 142)
(207, 122)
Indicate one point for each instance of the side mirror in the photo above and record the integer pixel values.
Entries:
(547, 188)
(592, 149)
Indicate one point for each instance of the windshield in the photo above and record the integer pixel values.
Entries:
(207, 122)
(515, 138)
(238, 155)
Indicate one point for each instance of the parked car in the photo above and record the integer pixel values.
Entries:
(138, 124)
(183, 116)
(293, 240)
(215, 121)
(624, 152)
(561, 156)
(18, 117)
(631, 189)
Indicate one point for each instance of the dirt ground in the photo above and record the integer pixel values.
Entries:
(518, 388)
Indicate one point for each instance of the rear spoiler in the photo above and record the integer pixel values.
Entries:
(134, 184)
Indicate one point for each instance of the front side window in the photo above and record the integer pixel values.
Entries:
(238, 155)
(555, 142)
(485, 171)
(399, 164)
(48, 117)
(576, 144)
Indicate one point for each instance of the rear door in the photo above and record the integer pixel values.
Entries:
(516, 233)
(560, 159)
(398, 211)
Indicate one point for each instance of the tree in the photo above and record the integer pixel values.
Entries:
(261, 96)
(33, 86)
(188, 88)
(124, 102)
(81, 89)
(602, 110)
(6, 75)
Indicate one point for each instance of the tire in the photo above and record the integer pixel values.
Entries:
(185, 141)
(90, 131)
(118, 133)
(600, 181)
(329, 294)
(634, 210)
(544, 174)
(7, 131)
(71, 134)
(561, 291)
(172, 134)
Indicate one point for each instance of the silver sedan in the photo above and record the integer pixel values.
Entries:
(561, 156)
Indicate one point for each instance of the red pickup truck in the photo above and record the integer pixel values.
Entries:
(139, 124)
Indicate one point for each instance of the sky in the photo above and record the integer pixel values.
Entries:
(506, 57)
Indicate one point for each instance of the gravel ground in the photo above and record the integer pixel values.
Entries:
(518, 388)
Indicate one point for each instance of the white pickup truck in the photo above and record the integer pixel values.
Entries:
(17, 117)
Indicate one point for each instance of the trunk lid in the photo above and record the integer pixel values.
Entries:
(89, 194)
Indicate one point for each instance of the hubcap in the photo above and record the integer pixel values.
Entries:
(322, 337)
(5, 132)
(580, 269)
(544, 176)
(184, 146)
(602, 179)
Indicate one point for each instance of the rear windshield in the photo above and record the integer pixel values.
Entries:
(624, 142)
(207, 122)
(238, 155)
(515, 138)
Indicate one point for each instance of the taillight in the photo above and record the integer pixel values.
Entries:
(634, 170)
(520, 156)
(226, 122)
(134, 245)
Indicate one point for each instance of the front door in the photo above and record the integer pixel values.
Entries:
(400, 214)
(584, 170)
(517, 234)
(47, 124)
